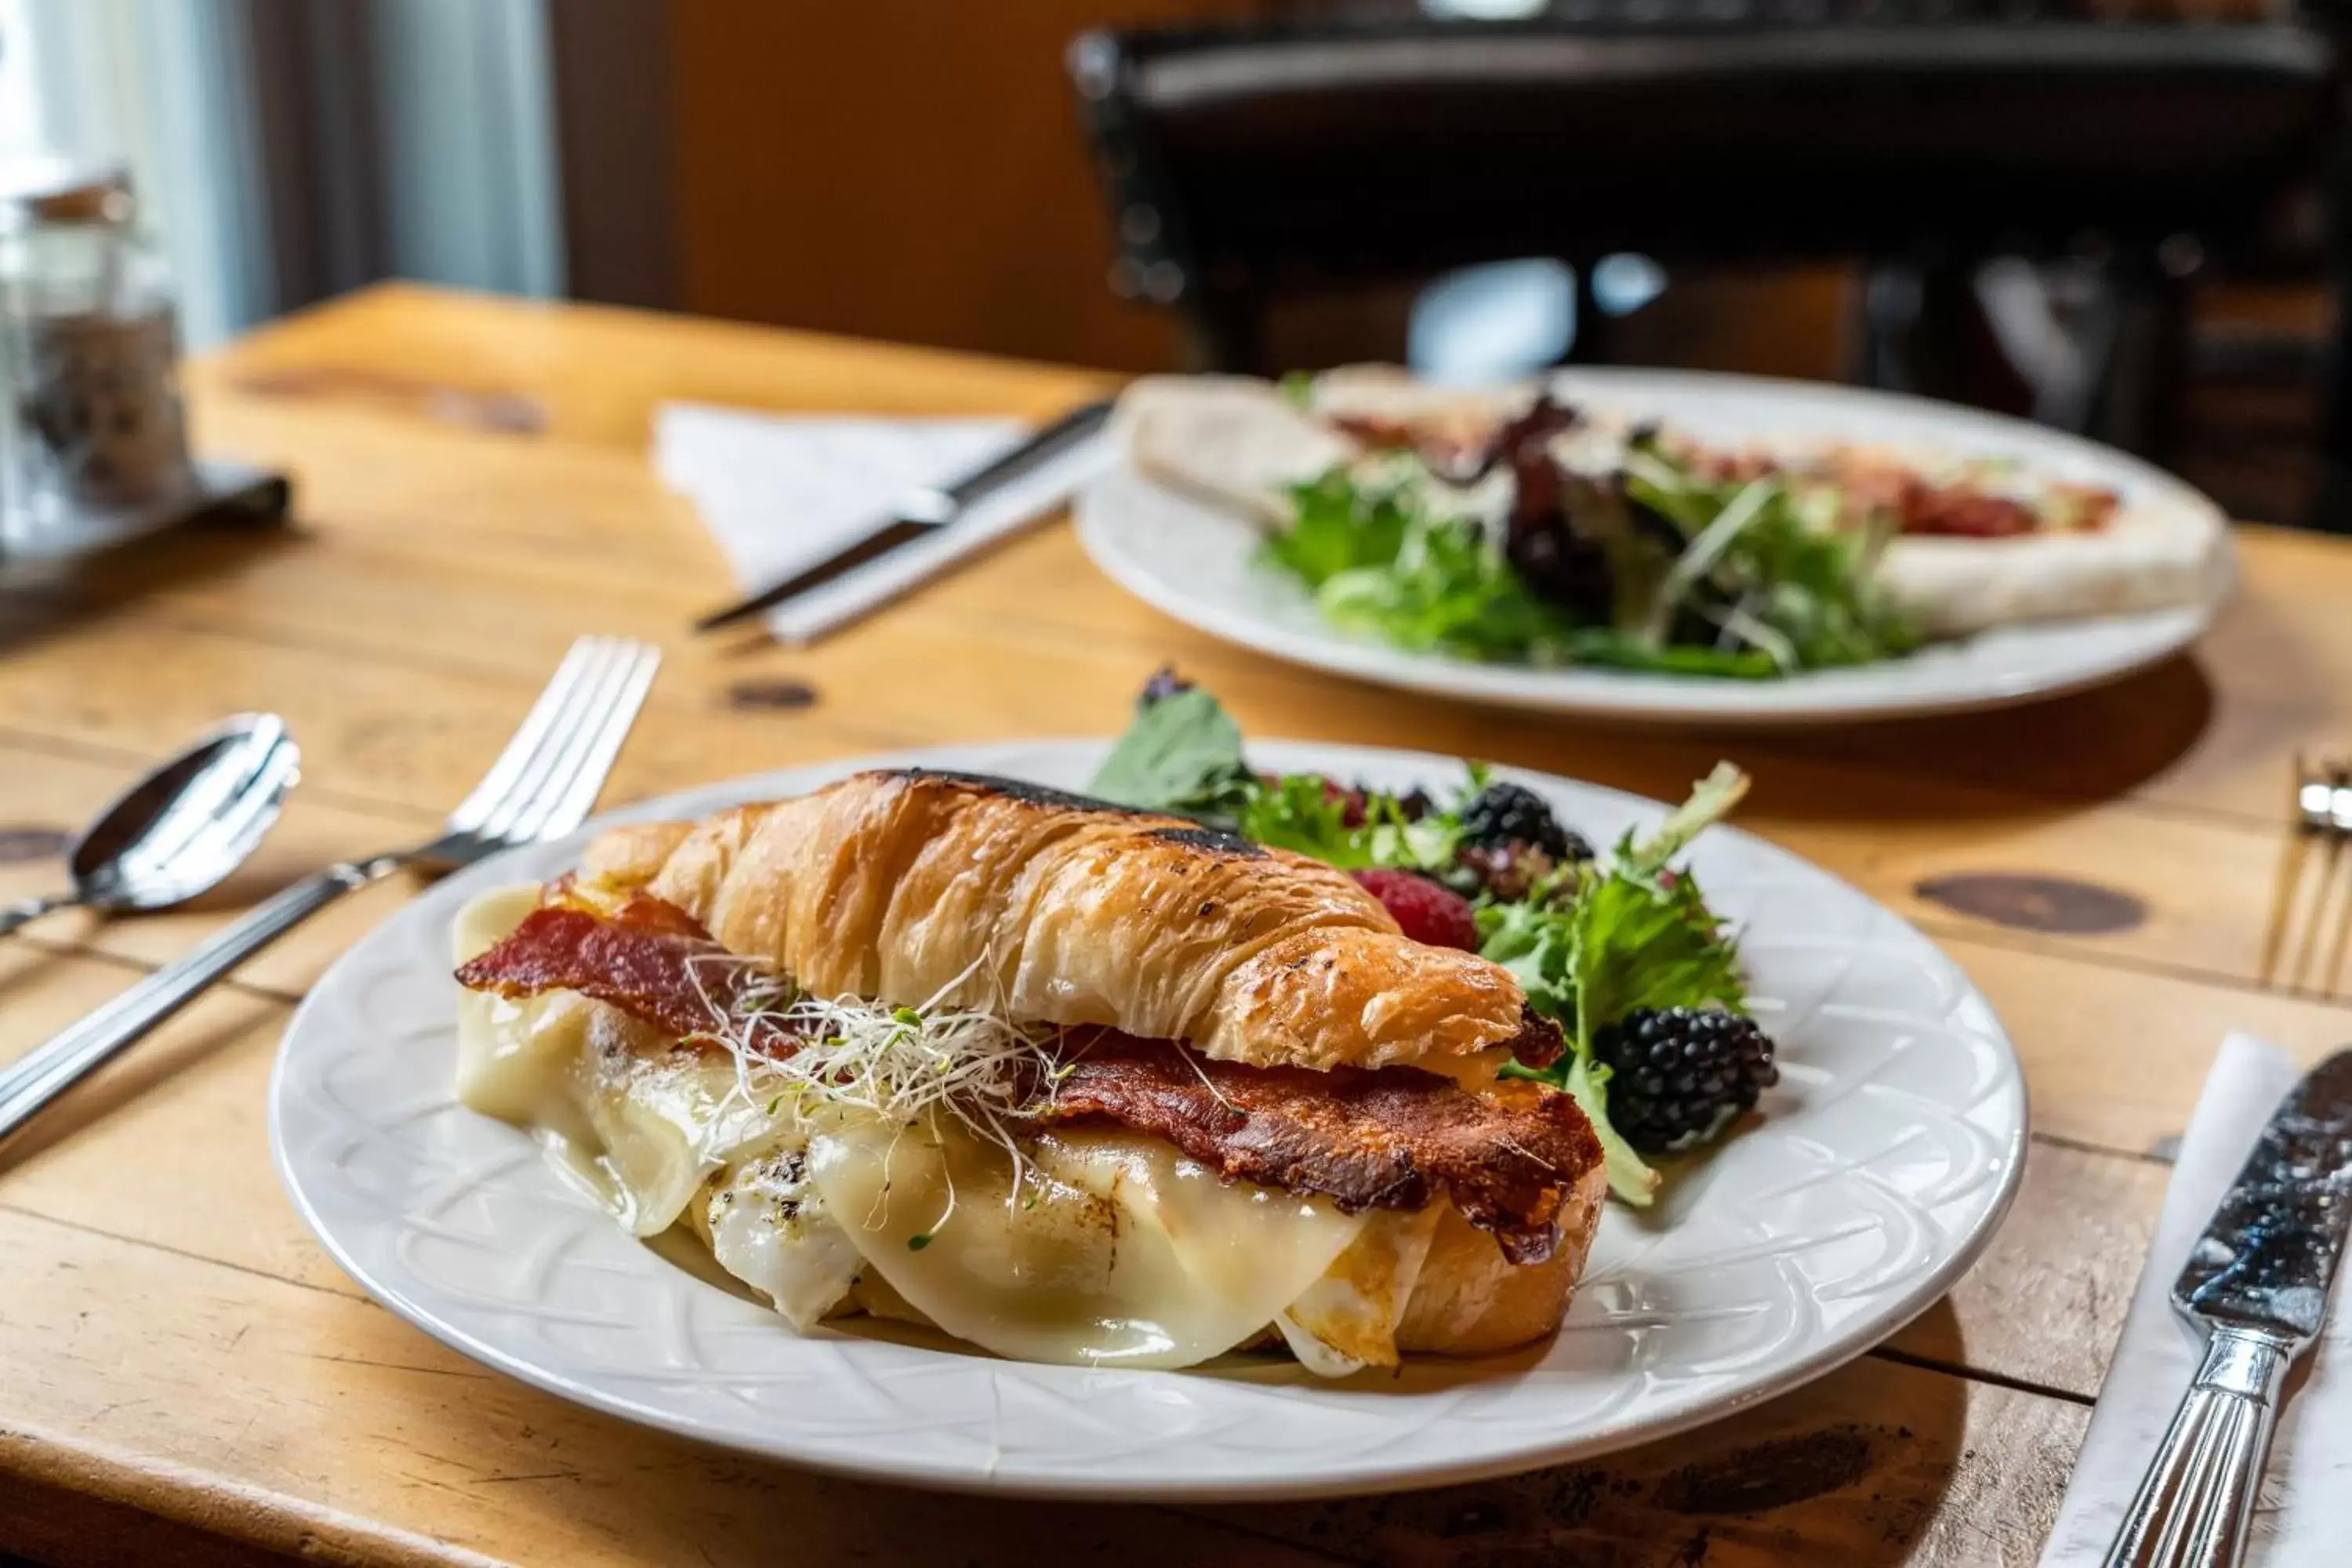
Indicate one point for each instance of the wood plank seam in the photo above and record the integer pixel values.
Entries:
(2086, 1146)
(141, 968)
(192, 1497)
(79, 749)
(1989, 935)
(180, 1251)
(1203, 1515)
(267, 636)
(352, 1293)
(2134, 800)
(1978, 1374)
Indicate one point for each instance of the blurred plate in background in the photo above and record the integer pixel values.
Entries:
(1198, 562)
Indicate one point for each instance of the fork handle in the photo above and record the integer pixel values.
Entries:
(2198, 1497)
(66, 1057)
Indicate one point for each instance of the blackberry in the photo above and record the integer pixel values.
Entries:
(1506, 815)
(1679, 1075)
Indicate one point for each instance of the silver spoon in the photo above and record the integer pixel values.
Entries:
(182, 828)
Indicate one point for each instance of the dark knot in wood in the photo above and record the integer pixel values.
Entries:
(21, 843)
(2026, 902)
(776, 696)
(1770, 1475)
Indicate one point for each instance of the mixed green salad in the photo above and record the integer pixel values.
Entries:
(1620, 948)
(1647, 557)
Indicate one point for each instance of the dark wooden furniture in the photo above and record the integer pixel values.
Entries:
(1250, 163)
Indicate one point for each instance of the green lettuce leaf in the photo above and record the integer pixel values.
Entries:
(1786, 583)
(1300, 813)
(1336, 526)
(1767, 584)
(1632, 933)
(1182, 753)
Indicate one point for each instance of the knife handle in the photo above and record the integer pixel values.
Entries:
(2198, 1497)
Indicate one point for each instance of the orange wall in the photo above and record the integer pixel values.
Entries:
(907, 169)
(914, 169)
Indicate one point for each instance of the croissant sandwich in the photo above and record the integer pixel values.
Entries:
(1069, 1082)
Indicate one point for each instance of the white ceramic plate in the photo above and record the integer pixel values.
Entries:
(1198, 563)
(1884, 1161)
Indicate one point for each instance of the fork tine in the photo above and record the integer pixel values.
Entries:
(2339, 782)
(2322, 877)
(561, 757)
(554, 762)
(570, 807)
(577, 712)
(2336, 779)
(570, 788)
(2315, 918)
(508, 771)
(2293, 853)
(2338, 946)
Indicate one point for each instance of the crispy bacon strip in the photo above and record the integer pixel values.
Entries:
(1395, 1137)
(646, 959)
(1538, 1043)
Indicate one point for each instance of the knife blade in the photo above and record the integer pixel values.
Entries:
(921, 514)
(2257, 1281)
(2269, 1252)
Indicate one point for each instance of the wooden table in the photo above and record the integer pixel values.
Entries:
(185, 1378)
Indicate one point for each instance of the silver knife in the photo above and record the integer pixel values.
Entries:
(2257, 1282)
(921, 513)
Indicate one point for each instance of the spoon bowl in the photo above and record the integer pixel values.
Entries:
(181, 830)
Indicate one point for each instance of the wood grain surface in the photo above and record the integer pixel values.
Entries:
(185, 1378)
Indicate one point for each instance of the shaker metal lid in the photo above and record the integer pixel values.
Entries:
(45, 187)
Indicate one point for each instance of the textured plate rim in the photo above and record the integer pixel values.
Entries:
(1821, 698)
(1836, 1350)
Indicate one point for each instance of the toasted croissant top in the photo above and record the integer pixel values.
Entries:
(909, 885)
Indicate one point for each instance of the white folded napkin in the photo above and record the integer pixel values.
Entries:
(782, 493)
(2302, 1519)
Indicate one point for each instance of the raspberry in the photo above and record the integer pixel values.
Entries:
(1430, 913)
(1356, 802)
(1352, 802)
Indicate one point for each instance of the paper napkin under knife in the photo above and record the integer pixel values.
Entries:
(2303, 1516)
(782, 493)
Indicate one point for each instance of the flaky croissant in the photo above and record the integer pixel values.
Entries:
(904, 886)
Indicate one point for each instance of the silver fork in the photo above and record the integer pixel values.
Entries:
(2322, 818)
(543, 785)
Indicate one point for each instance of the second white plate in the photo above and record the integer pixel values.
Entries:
(1199, 564)
(1879, 1169)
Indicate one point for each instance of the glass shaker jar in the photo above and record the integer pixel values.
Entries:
(90, 333)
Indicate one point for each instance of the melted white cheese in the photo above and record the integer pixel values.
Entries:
(639, 1125)
(1113, 1248)
(1348, 1319)
(768, 1226)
